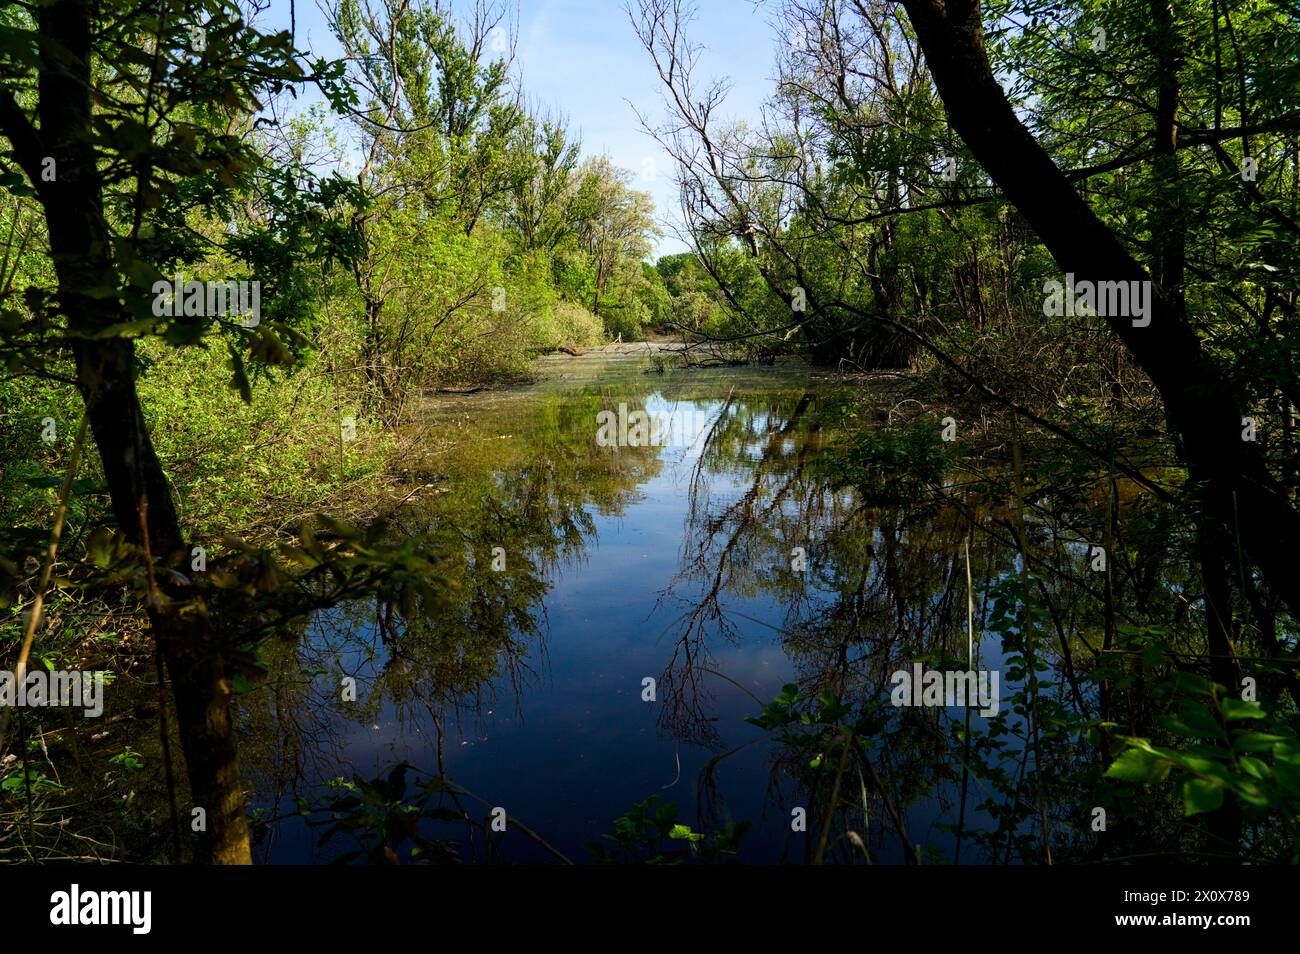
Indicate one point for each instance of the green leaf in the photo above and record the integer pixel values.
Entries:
(1200, 796)
(1190, 682)
(1133, 765)
(684, 833)
(1194, 722)
(1288, 777)
(1256, 767)
(1241, 709)
(1257, 741)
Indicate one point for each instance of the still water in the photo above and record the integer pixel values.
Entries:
(721, 563)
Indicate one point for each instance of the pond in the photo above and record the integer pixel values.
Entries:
(616, 607)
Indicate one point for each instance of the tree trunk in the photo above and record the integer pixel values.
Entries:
(207, 735)
(1202, 408)
(88, 288)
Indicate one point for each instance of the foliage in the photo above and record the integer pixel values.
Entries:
(649, 833)
(892, 465)
(1221, 746)
(380, 817)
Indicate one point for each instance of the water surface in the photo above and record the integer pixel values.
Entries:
(722, 564)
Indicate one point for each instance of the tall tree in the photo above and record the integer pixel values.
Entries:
(129, 126)
(1238, 493)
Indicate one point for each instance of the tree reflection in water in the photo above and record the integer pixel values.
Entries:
(838, 527)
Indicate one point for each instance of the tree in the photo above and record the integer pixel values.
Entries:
(130, 128)
(614, 223)
(439, 135)
(109, 123)
(1204, 408)
(545, 158)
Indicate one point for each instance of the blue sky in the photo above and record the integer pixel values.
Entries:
(581, 58)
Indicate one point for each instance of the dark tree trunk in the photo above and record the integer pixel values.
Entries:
(106, 368)
(1203, 409)
(207, 733)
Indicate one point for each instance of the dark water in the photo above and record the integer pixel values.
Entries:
(618, 564)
